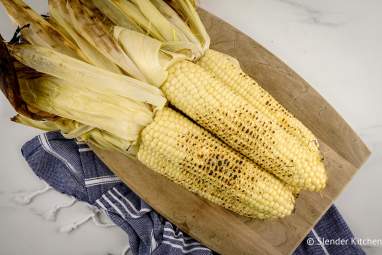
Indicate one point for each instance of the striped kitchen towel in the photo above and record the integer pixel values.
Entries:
(72, 168)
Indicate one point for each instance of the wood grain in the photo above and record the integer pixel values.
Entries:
(226, 232)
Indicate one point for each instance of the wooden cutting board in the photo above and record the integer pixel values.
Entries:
(226, 232)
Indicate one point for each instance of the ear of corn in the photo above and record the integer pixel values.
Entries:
(219, 98)
(127, 114)
(228, 70)
(170, 144)
(244, 127)
(188, 155)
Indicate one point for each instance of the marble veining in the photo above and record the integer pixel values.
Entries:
(312, 15)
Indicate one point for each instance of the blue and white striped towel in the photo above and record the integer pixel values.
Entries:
(72, 168)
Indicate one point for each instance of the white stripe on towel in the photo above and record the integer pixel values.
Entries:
(101, 205)
(319, 241)
(100, 177)
(154, 243)
(175, 235)
(182, 241)
(48, 148)
(183, 250)
(114, 206)
(84, 149)
(104, 180)
(132, 215)
(131, 204)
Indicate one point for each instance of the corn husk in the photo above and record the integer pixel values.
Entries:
(73, 129)
(147, 54)
(39, 32)
(112, 114)
(96, 33)
(61, 16)
(93, 78)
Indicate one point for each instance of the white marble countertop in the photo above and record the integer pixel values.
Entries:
(334, 45)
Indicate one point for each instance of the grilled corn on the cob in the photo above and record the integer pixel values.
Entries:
(245, 127)
(192, 157)
(221, 98)
(227, 69)
(162, 139)
(118, 112)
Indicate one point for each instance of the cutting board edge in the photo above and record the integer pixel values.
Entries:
(356, 170)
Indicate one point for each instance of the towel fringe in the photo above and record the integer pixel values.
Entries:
(126, 250)
(51, 215)
(27, 198)
(94, 216)
(74, 225)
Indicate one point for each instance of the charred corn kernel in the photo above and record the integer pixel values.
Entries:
(243, 126)
(190, 156)
(295, 190)
(227, 69)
